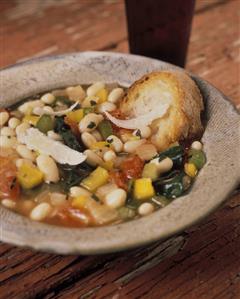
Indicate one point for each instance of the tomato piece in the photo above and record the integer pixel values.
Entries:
(119, 179)
(72, 217)
(9, 186)
(132, 167)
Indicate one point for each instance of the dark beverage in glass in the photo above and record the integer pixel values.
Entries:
(160, 28)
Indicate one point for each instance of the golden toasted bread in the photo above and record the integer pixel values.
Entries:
(182, 119)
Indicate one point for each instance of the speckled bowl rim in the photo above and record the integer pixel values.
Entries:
(214, 183)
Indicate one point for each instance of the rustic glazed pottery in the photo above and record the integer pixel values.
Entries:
(216, 180)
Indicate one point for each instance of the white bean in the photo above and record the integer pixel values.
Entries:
(41, 211)
(90, 101)
(27, 107)
(131, 146)
(8, 203)
(26, 153)
(90, 122)
(163, 166)
(21, 129)
(20, 162)
(48, 109)
(6, 131)
(58, 199)
(109, 156)
(97, 135)
(115, 95)
(75, 93)
(8, 142)
(197, 145)
(51, 134)
(102, 191)
(115, 143)
(92, 158)
(144, 132)
(48, 98)
(145, 209)
(13, 122)
(78, 191)
(146, 151)
(94, 88)
(4, 116)
(106, 106)
(88, 139)
(49, 168)
(116, 198)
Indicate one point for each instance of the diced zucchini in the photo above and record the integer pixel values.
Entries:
(45, 123)
(96, 179)
(150, 170)
(102, 94)
(105, 129)
(197, 157)
(29, 176)
(79, 202)
(143, 189)
(76, 115)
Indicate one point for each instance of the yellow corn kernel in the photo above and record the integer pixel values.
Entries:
(102, 94)
(107, 165)
(143, 189)
(76, 115)
(29, 176)
(190, 169)
(99, 145)
(31, 119)
(79, 202)
(96, 179)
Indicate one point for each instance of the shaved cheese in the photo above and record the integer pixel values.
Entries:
(141, 120)
(40, 111)
(36, 140)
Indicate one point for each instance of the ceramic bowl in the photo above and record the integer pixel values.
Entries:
(215, 182)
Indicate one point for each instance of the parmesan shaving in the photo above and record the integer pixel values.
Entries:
(37, 141)
(140, 121)
(40, 111)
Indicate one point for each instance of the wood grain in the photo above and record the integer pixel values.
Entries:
(206, 260)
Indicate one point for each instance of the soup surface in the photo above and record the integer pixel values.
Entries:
(64, 162)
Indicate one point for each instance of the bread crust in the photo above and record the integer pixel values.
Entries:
(183, 119)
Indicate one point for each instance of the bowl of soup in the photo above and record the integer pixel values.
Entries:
(101, 152)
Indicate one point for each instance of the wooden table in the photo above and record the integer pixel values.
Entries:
(202, 263)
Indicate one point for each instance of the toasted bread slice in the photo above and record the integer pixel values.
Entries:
(182, 119)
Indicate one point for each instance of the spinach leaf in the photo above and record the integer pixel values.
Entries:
(73, 175)
(176, 153)
(170, 186)
(64, 100)
(67, 135)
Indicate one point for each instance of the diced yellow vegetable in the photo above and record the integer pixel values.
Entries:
(31, 119)
(79, 202)
(190, 169)
(107, 165)
(96, 179)
(29, 176)
(102, 94)
(76, 115)
(100, 145)
(150, 170)
(143, 189)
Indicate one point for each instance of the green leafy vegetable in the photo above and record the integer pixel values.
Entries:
(62, 99)
(45, 123)
(73, 175)
(160, 200)
(67, 135)
(170, 186)
(105, 128)
(176, 153)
